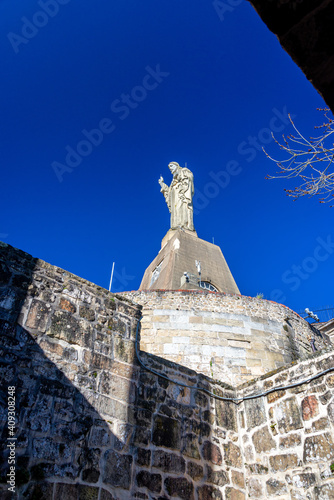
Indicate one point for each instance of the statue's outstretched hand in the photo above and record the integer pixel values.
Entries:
(161, 180)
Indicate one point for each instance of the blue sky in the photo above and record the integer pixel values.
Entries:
(155, 82)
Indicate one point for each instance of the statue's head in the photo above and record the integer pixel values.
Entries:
(173, 166)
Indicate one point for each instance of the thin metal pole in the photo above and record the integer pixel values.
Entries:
(112, 273)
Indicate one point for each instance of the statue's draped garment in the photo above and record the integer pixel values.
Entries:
(179, 197)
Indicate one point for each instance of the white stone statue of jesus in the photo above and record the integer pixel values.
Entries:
(179, 197)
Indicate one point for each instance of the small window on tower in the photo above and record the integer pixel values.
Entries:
(207, 286)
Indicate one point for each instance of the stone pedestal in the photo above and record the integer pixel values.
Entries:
(174, 267)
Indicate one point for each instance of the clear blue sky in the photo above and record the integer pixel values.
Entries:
(195, 88)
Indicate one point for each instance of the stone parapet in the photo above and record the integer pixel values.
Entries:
(232, 338)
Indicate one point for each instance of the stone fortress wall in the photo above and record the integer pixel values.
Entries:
(231, 338)
(92, 423)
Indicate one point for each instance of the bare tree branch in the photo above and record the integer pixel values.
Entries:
(309, 159)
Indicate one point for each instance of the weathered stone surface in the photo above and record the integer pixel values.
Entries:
(257, 468)
(290, 441)
(124, 350)
(217, 477)
(274, 396)
(304, 480)
(87, 313)
(179, 487)
(326, 397)
(325, 492)
(280, 463)
(42, 490)
(190, 446)
(255, 413)
(330, 411)
(212, 453)
(255, 489)
(208, 493)
(75, 492)
(150, 481)
(318, 448)
(232, 455)
(238, 479)
(320, 424)
(276, 487)
(38, 315)
(65, 327)
(263, 440)
(226, 415)
(195, 471)
(67, 305)
(168, 462)
(117, 469)
(288, 415)
(310, 407)
(105, 495)
(143, 457)
(234, 494)
(166, 432)
(117, 387)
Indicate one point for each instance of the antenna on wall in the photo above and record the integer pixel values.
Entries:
(112, 273)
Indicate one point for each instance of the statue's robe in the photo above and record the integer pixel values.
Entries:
(179, 200)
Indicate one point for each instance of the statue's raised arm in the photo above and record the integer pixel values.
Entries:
(179, 196)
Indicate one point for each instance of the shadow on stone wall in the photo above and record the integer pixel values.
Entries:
(91, 423)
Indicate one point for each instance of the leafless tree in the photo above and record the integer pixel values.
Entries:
(310, 159)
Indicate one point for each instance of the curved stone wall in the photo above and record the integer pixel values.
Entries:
(231, 338)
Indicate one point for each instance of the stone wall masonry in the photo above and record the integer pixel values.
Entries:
(288, 436)
(231, 338)
(92, 423)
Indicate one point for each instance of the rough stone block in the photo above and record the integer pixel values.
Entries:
(168, 462)
(274, 396)
(38, 316)
(195, 471)
(320, 424)
(288, 415)
(310, 407)
(234, 494)
(207, 492)
(255, 412)
(255, 489)
(226, 415)
(276, 487)
(232, 455)
(65, 327)
(324, 492)
(217, 477)
(179, 487)
(257, 468)
(66, 305)
(263, 440)
(143, 457)
(150, 481)
(117, 387)
(212, 453)
(87, 312)
(124, 350)
(238, 479)
(280, 463)
(318, 448)
(290, 441)
(117, 469)
(166, 432)
(304, 480)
